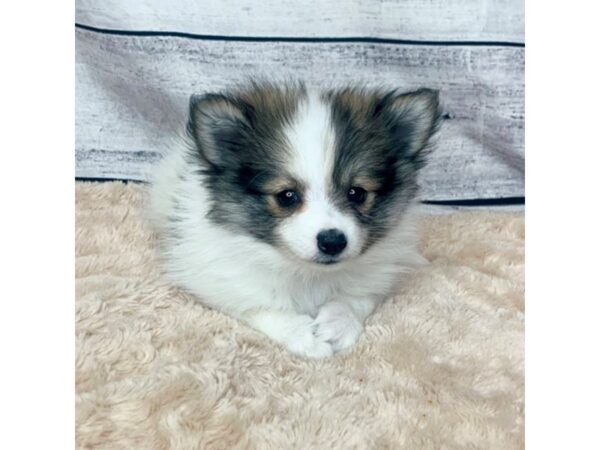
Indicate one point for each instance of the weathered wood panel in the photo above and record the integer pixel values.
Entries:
(132, 91)
(488, 20)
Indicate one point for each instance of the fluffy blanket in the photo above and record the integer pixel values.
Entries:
(440, 365)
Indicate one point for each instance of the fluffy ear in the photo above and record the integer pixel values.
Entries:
(416, 117)
(216, 123)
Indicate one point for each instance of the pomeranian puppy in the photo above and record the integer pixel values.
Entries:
(292, 209)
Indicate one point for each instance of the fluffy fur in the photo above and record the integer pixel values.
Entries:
(291, 209)
(440, 365)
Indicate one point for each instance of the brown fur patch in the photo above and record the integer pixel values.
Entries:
(368, 203)
(367, 183)
(276, 209)
(280, 212)
(277, 185)
(275, 104)
(360, 102)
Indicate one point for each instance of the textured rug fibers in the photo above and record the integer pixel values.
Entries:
(440, 365)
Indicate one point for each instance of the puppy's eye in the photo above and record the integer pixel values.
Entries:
(288, 198)
(357, 195)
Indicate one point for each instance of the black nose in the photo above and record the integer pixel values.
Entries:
(331, 242)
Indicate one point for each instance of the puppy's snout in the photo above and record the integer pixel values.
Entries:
(331, 242)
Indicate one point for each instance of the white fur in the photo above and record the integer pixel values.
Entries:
(313, 310)
(311, 138)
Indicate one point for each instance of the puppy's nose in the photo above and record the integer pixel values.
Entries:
(331, 242)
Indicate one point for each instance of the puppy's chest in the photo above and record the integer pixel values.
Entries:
(309, 295)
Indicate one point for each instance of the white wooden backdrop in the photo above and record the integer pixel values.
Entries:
(138, 62)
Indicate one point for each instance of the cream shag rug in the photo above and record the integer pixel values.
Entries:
(439, 366)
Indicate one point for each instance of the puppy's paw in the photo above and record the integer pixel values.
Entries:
(303, 340)
(338, 325)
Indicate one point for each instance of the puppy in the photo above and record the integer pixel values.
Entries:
(292, 209)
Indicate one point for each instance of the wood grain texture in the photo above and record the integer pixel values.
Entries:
(495, 20)
(132, 93)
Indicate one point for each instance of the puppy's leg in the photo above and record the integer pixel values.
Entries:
(295, 331)
(340, 322)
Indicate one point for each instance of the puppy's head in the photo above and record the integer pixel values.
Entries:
(320, 176)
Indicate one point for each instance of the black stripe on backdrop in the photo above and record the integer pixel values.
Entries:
(504, 201)
(373, 40)
(316, 40)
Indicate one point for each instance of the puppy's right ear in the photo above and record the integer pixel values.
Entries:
(217, 124)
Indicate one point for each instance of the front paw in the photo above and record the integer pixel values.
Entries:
(303, 340)
(337, 324)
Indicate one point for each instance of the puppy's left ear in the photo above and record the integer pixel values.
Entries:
(415, 119)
